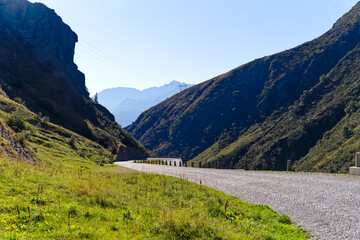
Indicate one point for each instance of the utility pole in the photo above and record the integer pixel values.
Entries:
(183, 86)
(96, 98)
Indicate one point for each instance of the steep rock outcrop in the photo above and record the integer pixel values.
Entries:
(42, 30)
(36, 65)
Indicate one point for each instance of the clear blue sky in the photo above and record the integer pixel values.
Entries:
(145, 43)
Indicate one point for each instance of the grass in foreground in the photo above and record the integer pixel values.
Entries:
(102, 203)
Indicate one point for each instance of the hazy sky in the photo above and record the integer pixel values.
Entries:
(145, 43)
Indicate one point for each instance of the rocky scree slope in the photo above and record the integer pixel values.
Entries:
(250, 114)
(36, 66)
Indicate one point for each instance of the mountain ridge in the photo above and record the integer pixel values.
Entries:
(220, 110)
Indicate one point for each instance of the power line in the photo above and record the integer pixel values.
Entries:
(181, 86)
(114, 61)
(111, 63)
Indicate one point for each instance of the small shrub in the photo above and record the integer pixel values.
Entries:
(351, 107)
(72, 142)
(19, 100)
(22, 139)
(214, 211)
(72, 212)
(284, 219)
(45, 119)
(127, 216)
(103, 202)
(39, 218)
(115, 228)
(346, 132)
(85, 235)
(23, 136)
(16, 121)
(87, 215)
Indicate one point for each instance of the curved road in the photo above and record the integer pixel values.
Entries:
(327, 205)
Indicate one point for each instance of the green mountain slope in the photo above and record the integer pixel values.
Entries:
(37, 67)
(315, 123)
(246, 114)
(63, 193)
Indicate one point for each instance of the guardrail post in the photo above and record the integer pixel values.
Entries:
(288, 166)
(357, 159)
(264, 166)
(246, 165)
(356, 170)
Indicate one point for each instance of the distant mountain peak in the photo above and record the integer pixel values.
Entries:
(128, 103)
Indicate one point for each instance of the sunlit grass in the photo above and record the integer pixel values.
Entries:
(73, 192)
(115, 203)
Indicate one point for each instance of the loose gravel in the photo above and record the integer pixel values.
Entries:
(327, 205)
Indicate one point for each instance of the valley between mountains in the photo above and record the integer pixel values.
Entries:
(58, 146)
(301, 104)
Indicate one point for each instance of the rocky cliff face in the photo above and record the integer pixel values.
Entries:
(227, 118)
(42, 30)
(36, 65)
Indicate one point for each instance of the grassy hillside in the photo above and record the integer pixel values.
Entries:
(270, 110)
(67, 190)
(24, 131)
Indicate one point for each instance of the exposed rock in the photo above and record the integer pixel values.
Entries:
(129, 153)
(36, 65)
(41, 29)
(17, 147)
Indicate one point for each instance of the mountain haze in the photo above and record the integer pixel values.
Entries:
(128, 103)
(37, 67)
(270, 110)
